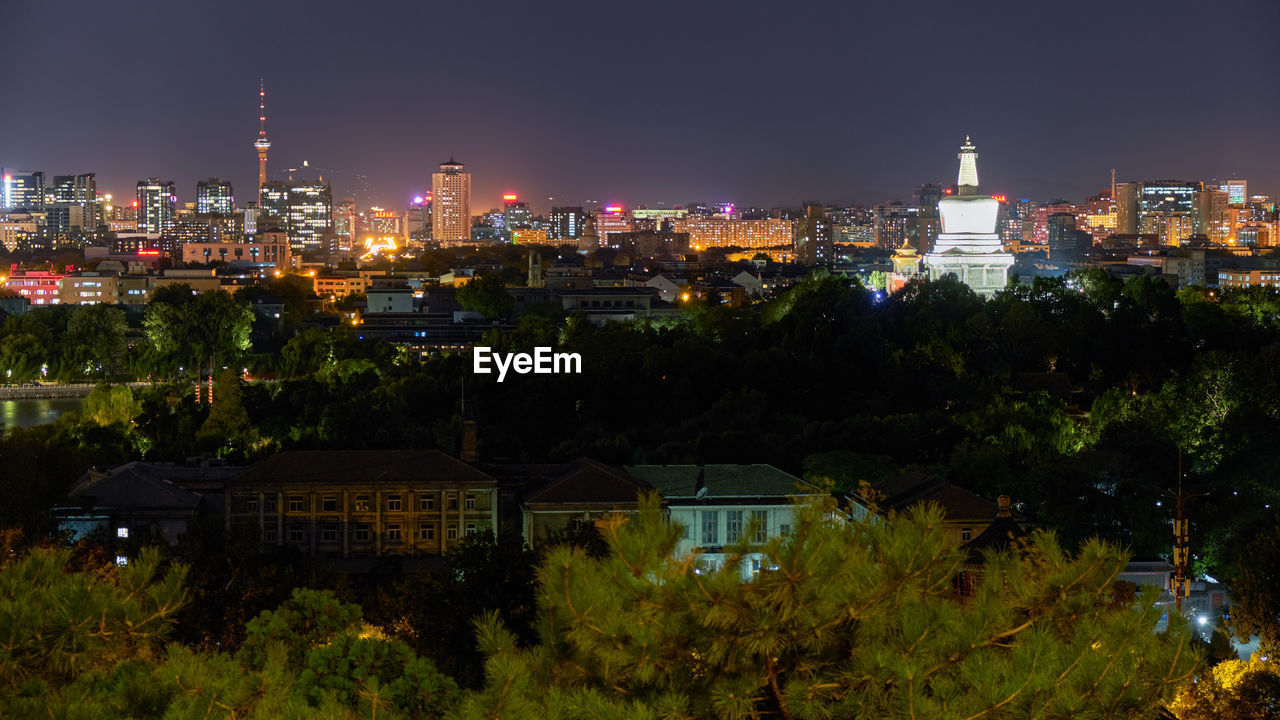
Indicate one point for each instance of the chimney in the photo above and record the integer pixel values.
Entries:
(1003, 502)
(469, 449)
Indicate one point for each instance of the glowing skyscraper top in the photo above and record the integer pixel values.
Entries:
(262, 144)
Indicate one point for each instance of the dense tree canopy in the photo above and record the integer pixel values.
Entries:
(645, 634)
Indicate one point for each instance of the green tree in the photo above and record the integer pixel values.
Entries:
(94, 342)
(1232, 690)
(487, 295)
(189, 328)
(844, 620)
(1256, 589)
(111, 404)
(58, 621)
(437, 612)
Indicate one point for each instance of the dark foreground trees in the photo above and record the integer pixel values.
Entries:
(88, 640)
(843, 621)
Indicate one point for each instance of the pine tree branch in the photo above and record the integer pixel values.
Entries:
(773, 685)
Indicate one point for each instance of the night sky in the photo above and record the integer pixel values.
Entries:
(640, 103)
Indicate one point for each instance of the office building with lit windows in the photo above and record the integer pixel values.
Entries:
(304, 210)
(566, 223)
(215, 197)
(1237, 191)
(22, 190)
(451, 204)
(157, 205)
(1166, 208)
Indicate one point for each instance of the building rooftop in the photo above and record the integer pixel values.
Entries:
(148, 486)
(677, 482)
(958, 504)
(357, 466)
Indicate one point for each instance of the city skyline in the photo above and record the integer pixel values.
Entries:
(726, 120)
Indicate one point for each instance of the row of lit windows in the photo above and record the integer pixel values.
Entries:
(360, 503)
(734, 527)
(363, 532)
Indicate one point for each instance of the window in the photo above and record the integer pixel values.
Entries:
(427, 502)
(760, 520)
(452, 533)
(296, 534)
(427, 531)
(732, 526)
(270, 536)
(784, 530)
(122, 560)
(361, 533)
(393, 503)
(452, 503)
(710, 527)
(329, 503)
(251, 504)
(122, 532)
(471, 502)
(329, 533)
(965, 534)
(471, 528)
(271, 504)
(361, 503)
(295, 503)
(393, 533)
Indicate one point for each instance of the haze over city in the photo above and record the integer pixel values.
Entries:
(757, 103)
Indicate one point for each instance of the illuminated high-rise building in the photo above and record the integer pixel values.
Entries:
(1126, 196)
(157, 205)
(214, 197)
(611, 220)
(1212, 216)
(1166, 208)
(22, 190)
(566, 223)
(518, 215)
(451, 204)
(893, 224)
(304, 210)
(968, 245)
(1237, 191)
(72, 203)
(813, 242)
(262, 144)
(1054, 207)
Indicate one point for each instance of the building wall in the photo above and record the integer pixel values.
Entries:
(363, 519)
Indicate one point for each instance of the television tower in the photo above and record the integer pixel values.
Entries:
(262, 144)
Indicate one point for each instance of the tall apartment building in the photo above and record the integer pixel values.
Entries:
(451, 204)
(157, 205)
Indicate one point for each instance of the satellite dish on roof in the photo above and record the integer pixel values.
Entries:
(701, 494)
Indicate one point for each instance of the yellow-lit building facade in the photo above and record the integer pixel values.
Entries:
(451, 204)
(720, 232)
(373, 503)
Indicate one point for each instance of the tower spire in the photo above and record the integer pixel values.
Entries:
(967, 183)
(262, 144)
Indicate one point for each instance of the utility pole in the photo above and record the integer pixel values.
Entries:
(1181, 544)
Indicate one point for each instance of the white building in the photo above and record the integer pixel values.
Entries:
(720, 506)
(969, 245)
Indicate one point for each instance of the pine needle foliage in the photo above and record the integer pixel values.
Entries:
(848, 620)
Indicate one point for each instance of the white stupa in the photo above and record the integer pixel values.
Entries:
(968, 244)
